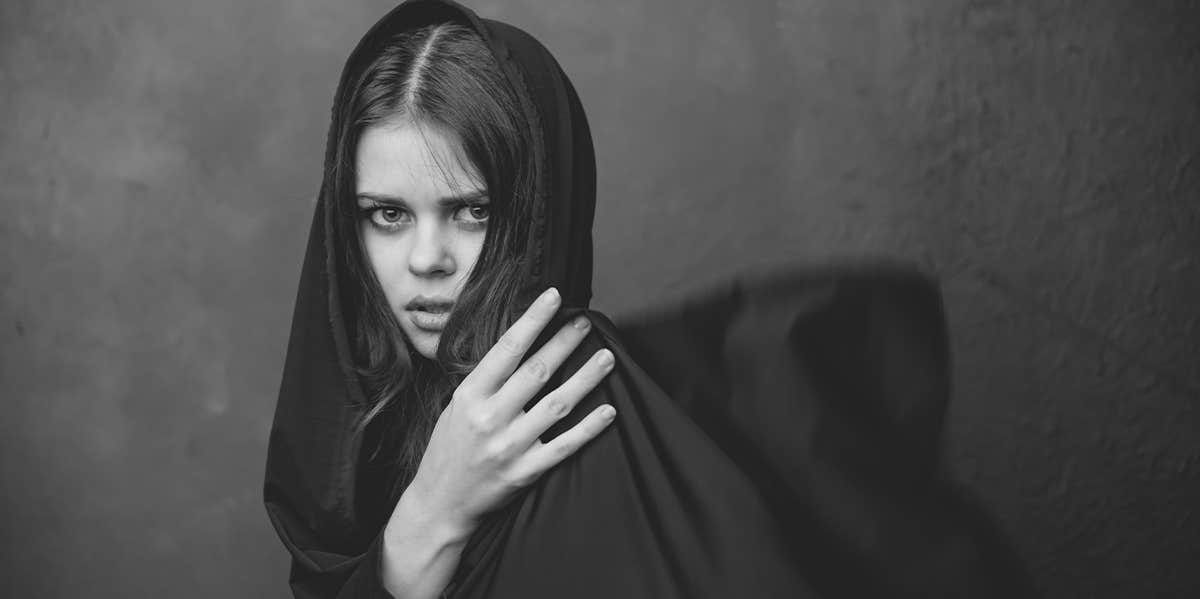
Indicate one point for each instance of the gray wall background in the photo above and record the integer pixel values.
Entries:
(158, 163)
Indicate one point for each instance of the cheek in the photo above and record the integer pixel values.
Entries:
(470, 250)
(386, 259)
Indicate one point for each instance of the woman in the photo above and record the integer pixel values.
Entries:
(777, 437)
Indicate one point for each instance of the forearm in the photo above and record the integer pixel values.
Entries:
(420, 551)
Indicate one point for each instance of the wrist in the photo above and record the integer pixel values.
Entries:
(421, 549)
(416, 517)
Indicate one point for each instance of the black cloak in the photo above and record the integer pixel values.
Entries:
(778, 436)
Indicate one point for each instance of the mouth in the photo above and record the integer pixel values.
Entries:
(429, 314)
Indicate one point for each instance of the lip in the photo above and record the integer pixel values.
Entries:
(429, 313)
(435, 304)
(430, 322)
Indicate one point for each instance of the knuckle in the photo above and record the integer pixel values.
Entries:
(508, 343)
(521, 479)
(489, 460)
(557, 406)
(482, 421)
(563, 450)
(536, 369)
(499, 451)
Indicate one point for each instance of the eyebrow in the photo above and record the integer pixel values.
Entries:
(467, 198)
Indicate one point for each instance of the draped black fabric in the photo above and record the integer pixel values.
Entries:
(777, 436)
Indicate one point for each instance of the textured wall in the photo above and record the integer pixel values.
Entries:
(158, 163)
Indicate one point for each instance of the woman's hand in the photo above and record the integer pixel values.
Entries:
(484, 446)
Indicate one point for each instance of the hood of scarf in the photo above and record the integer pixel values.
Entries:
(312, 454)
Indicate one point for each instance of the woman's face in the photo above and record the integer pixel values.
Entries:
(423, 212)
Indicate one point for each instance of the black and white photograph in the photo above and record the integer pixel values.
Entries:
(645, 299)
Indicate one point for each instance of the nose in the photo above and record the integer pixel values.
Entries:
(431, 254)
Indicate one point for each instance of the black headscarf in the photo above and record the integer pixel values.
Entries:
(776, 437)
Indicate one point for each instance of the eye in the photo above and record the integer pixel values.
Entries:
(388, 218)
(474, 213)
(388, 215)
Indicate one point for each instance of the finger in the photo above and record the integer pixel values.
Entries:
(535, 371)
(544, 456)
(502, 359)
(559, 402)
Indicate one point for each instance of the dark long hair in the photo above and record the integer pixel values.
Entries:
(441, 74)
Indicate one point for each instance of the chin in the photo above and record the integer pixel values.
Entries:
(429, 352)
(424, 342)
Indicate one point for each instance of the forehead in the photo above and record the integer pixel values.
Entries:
(413, 161)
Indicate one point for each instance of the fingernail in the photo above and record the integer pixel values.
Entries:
(550, 296)
(608, 412)
(581, 323)
(606, 358)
